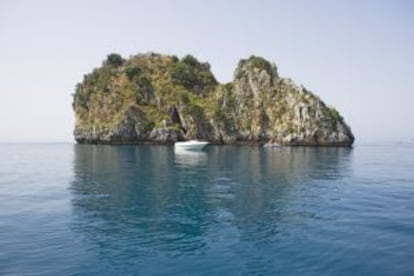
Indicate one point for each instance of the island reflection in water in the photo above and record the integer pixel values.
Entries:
(150, 201)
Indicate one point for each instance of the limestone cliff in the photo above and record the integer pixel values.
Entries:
(152, 98)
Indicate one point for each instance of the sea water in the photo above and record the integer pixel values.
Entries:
(230, 210)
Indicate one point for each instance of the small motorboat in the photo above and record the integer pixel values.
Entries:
(190, 145)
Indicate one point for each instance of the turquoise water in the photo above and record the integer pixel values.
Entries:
(146, 210)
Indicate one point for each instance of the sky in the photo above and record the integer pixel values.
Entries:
(358, 56)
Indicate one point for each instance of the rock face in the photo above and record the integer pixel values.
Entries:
(153, 98)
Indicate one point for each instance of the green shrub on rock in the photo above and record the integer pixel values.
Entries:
(192, 75)
(114, 60)
(133, 72)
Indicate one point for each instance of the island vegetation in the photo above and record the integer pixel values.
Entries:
(154, 98)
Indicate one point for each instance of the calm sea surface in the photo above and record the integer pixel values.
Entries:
(145, 210)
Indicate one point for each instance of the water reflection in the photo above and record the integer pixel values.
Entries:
(145, 200)
(187, 158)
(135, 194)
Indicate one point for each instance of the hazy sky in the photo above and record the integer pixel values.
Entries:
(356, 55)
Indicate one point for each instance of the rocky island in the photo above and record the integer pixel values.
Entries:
(161, 99)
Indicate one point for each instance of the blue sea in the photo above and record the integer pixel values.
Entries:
(231, 210)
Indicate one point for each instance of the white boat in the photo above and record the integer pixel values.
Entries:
(190, 145)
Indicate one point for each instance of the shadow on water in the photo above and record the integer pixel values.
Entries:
(149, 200)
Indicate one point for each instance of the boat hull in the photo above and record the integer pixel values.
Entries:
(190, 145)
